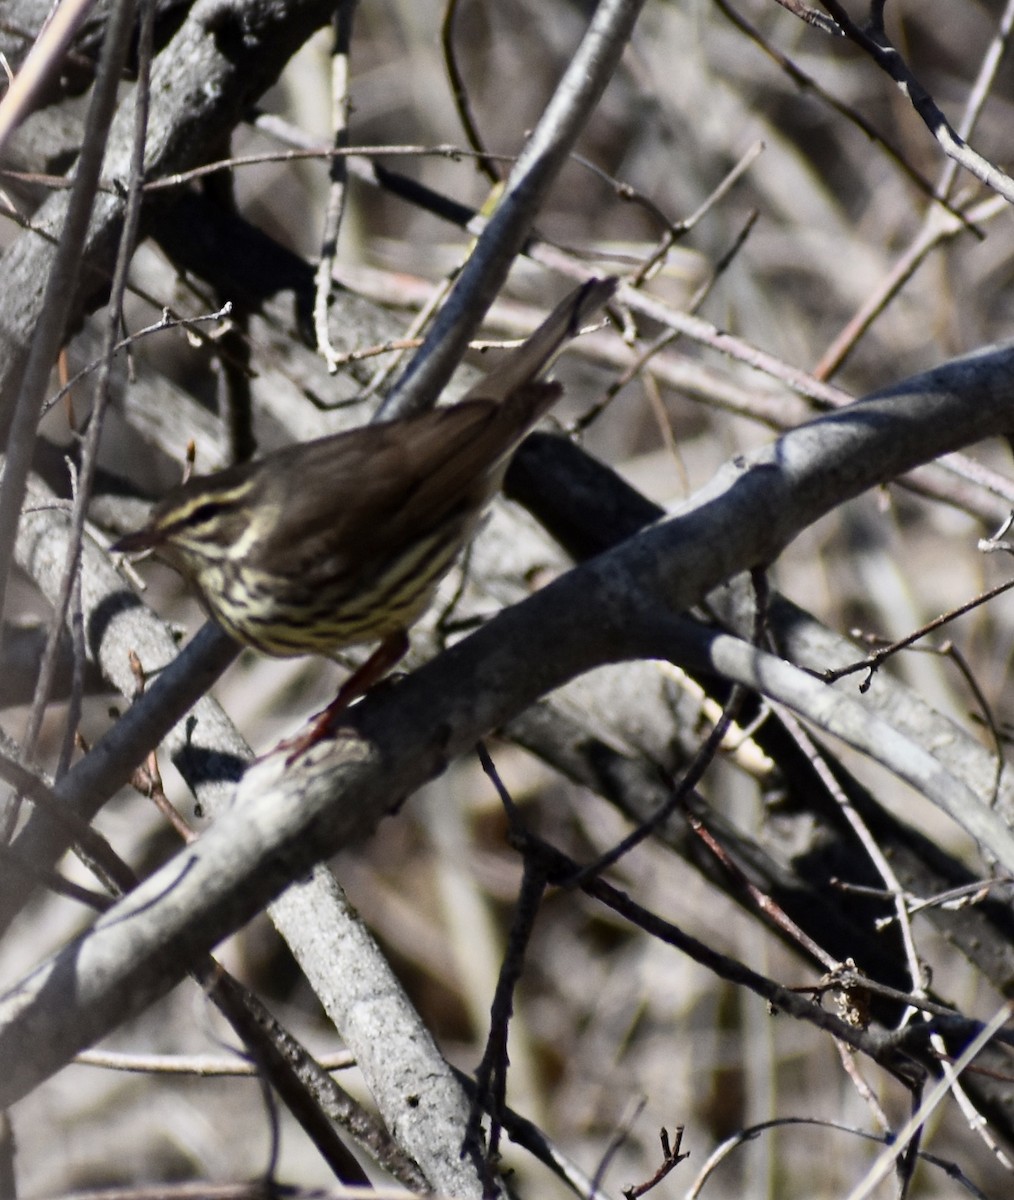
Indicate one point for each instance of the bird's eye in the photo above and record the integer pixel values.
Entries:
(204, 513)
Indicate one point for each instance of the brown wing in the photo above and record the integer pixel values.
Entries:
(483, 445)
(393, 479)
(337, 493)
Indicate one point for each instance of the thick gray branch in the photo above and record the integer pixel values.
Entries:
(286, 819)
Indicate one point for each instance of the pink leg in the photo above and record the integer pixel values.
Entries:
(390, 651)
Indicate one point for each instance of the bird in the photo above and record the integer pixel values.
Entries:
(343, 540)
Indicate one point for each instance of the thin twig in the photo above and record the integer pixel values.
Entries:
(875, 43)
(459, 94)
(60, 289)
(89, 457)
(872, 662)
(42, 61)
(337, 192)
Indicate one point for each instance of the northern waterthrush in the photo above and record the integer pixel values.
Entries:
(343, 540)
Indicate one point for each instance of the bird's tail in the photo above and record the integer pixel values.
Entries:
(530, 359)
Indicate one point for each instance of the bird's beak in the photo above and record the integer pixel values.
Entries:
(147, 538)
